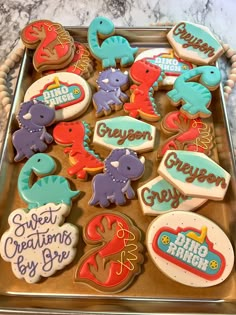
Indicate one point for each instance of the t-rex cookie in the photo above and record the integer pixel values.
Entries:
(38, 242)
(158, 196)
(113, 48)
(111, 83)
(116, 254)
(186, 134)
(194, 174)
(121, 167)
(83, 159)
(142, 103)
(195, 97)
(32, 136)
(124, 132)
(52, 188)
(190, 249)
(69, 93)
(195, 43)
(54, 47)
(171, 65)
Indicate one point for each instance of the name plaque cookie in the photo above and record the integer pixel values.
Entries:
(125, 132)
(190, 249)
(195, 43)
(158, 197)
(194, 174)
(69, 93)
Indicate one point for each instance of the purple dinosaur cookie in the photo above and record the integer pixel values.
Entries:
(32, 136)
(121, 167)
(110, 82)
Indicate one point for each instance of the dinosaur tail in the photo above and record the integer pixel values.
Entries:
(134, 49)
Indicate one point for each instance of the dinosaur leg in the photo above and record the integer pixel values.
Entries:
(130, 193)
(174, 96)
(101, 199)
(78, 170)
(131, 109)
(108, 63)
(39, 146)
(28, 152)
(126, 60)
(119, 198)
(19, 156)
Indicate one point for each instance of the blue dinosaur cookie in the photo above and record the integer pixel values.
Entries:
(52, 188)
(113, 48)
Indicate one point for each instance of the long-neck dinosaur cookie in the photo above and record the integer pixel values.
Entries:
(113, 48)
(38, 242)
(83, 159)
(51, 188)
(142, 103)
(110, 97)
(32, 136)
(195, 97)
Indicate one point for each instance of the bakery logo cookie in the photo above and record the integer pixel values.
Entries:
(195, 43)
(116, 254)
(125, 132)
(38, 242)
(69, 93)
(190, 249)
(158, 196)
(194, 174)
(167, 61)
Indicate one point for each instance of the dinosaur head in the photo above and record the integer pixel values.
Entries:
(41, 164)
(210, 76)
(142, 71)
(66, 133)
(102, 25)
(111, 79)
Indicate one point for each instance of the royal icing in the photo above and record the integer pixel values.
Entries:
(116, 257)
(54, 47)
(121, 167)
(190, 249)
(38, 242)
(194, 174)
(124, 132)
(195, 43)
(110, 96)
(158, 196)
(69, 93)
(142, 103)
(83, 159)
(170, 64)
(189, 134)
(32, 136)
(195, 96)
(53, 188)
(113, 48)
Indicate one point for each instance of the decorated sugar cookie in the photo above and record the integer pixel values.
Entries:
(32, 136)
(186, 134)
(110, 97)
(116, 255)
(38, 242)
(142, 103)
(195, 43)
(194, 174)
(124, 132)
(54, 47)
(51, 188)
(190, 249)
(171, 65)
(113, 48)
(69, 93)
(121, 167)
(75, 135)
(158, 196)
(195, 97)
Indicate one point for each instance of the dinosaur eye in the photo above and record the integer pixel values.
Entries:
(41, 116)
(147, 71)
(39, 160)
(70, 130)
(117, 80)
(212, 72)
(128, 168)
(100, 22)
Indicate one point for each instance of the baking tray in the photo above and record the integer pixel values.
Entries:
(151, 291)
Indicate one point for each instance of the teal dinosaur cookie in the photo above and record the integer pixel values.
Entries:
(195, 97)
(51, 188)
(112, 48)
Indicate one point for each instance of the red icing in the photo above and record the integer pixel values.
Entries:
(146, 74)
(51, 41)
(182, 264)
(111, 234)
(84, 161)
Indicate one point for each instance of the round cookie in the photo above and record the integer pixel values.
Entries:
(190, 249)
(69, 93)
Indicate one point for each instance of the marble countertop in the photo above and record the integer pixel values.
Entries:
(218, 15)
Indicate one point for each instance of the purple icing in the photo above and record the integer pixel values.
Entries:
(32, 136)
(121, 166)
(109, 83)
